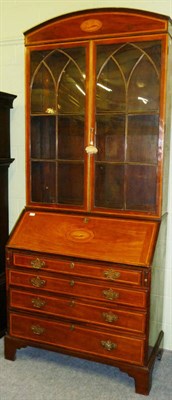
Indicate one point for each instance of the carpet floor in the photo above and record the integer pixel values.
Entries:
(44, 375)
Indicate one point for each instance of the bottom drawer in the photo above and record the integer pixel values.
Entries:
(77, 338)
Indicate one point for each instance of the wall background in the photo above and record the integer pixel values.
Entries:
(17, 16)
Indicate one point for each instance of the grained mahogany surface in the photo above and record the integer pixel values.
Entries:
(90, 23)
(117, 240)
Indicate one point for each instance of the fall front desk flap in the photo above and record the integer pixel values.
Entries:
(124, 241)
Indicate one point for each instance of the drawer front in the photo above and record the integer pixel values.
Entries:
(67, 336)
(94, 270)
(78, 310)
(115, 294)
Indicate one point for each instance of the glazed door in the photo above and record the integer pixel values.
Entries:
(94, 127)
(58, 108)
(127, 126)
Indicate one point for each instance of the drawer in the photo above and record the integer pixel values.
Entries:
(78, 310)
(76, 338)
(116, 294)
(89, 269)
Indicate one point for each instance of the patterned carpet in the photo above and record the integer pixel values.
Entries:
(42, 375)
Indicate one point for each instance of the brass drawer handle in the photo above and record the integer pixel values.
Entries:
(111, 274)
(37, 263)
(38, 282)
(108, 345)
(110, 317)
(38, 303)
(37, 329)
(71, 283)
(72, 264)
(110, 294)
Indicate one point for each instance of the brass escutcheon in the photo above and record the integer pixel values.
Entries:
(111, 274)
(37, 263)
(38, 282)
(110, 317)
(72, 327)
(37, 329)
(72, 303)
(71, 283)
(108, 345)
(38, 303)
(72, 264)
(110, 294)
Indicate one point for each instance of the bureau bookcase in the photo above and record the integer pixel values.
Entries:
(79, 260)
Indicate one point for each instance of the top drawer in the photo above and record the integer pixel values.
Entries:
(110, 272)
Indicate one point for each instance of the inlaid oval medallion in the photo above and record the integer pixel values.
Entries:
(83, 235)
(91, 25)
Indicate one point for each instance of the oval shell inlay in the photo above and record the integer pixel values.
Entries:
(91, 25)
(83, 235)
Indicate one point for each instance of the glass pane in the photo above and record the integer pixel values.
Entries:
(110, 138)
(143, 133)
(143, 91)
(36, 57)
(71, 98)
(43, 98)
(110, 90)
(153, 50)
(109, 184)
(71, 90)
(127, 57)
(71, 183)
(43, 182)
(56, 62)
(58, 76)
(43, 137)
(104, 52)
(71, 137)
(141, 187)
